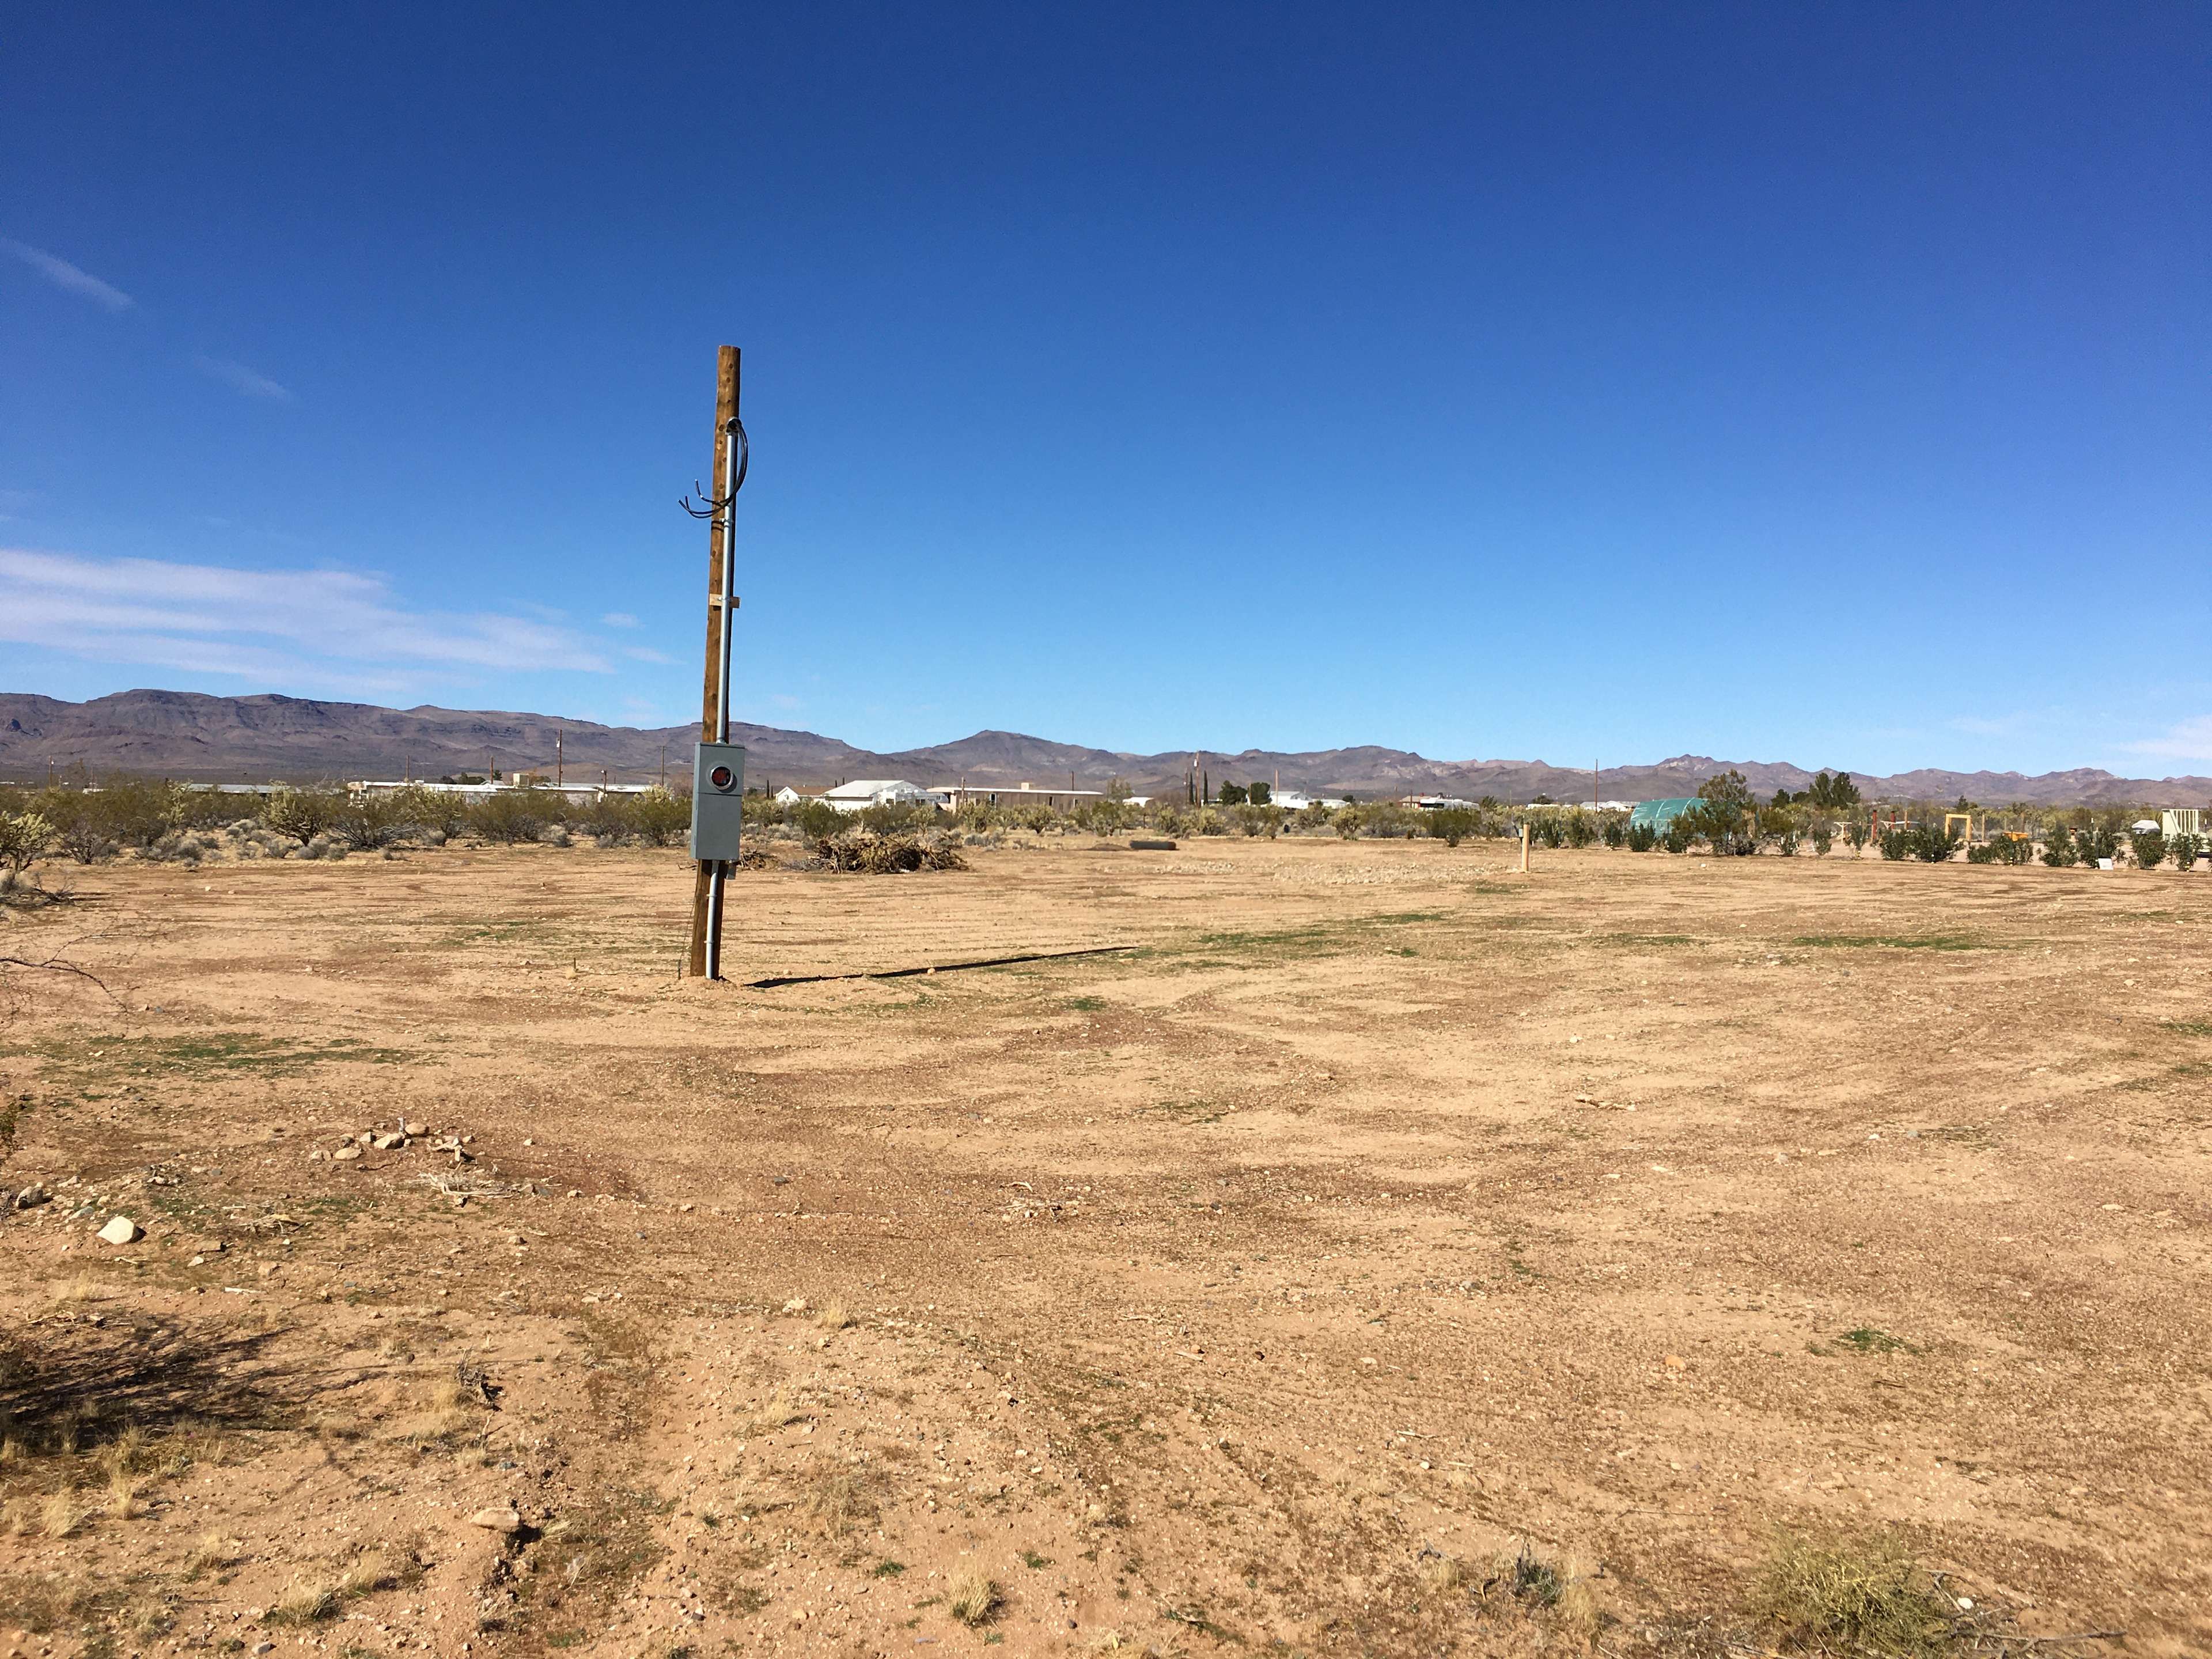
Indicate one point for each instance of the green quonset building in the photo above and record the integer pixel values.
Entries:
(1658, 814)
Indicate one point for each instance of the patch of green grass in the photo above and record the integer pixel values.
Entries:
(887, 1568)
(1316, 939)
(1193, 1111)
(1648, 938)
(214, 1051)
(1867, 1339)
(1890, 942)
(2191, 1027)
(1087, 1004)
(1035, 1562)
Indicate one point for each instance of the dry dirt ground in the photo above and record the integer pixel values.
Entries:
(1371, 1215)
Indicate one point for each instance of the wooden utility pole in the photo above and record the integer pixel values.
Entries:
(726, 411)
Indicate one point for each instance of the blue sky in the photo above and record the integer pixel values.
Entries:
(1825, 384)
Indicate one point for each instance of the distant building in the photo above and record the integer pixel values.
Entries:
(863, 793)
(788, 796)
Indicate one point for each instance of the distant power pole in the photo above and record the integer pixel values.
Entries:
(726, 412)
(560, 764)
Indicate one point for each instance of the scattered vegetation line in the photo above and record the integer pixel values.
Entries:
(1890, 941)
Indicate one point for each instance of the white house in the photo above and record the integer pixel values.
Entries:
(788, 796)
(864, 793)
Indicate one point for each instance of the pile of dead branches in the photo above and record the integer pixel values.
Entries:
(886, 855)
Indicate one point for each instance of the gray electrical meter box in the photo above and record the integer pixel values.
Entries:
(718, 796)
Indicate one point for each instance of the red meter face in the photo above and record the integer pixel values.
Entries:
(722, 777)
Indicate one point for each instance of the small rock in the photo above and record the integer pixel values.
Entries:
(345, 1154)
(197, 1261)
(265, 1647)
(416, 1129)
(796, 1305)
(1674, 1362)
(386, 1143)
(498, 1518)
(121, 1230)
(32, 1196)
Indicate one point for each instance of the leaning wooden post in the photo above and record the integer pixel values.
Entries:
(726, 409)
(1524, 848)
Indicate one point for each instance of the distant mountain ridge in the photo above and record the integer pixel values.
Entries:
(189, 735)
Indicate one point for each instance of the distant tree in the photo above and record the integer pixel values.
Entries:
(1232, 794)
(1541, 800)
(1117, 788)
(1259, 794)
(1782, 798)
(1724, 802)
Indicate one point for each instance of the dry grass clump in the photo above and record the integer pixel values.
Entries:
(972, 1596)
(781, 1410)
(838, 1499)
(1860, 1593)
(305, 1603)
(1440, 1575)
(210, 1553)
(60, 1516)
(372, 1571)
(440, 1416)
(832, 1317)
(82, 1287)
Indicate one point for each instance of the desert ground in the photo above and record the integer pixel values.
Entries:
(1364, 1250)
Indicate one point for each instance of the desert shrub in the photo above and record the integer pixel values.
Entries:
(2097, 842)
(1209, 822)
(1680, 834)
(1261, 820)
(1786, 842)
(366, 822)
(1452, 824)
(301, 815)
(80, 830)
(432, 809)
(2149, 848)
(511, 816)
(2002, 850)
(1348, 821)
(1823, 836)
(2185, 851)
(1615, 831)
(1580, 828)
(23, 837)
(178, 848)
(555, 835)
(1855, 832)
(1929, 843)
(658, 817)
(895, 817)
(1640, 837)
(200, 809)
(815, 818)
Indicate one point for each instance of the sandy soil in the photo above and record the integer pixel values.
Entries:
(1379, 1214)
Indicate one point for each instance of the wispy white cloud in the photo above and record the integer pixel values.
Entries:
(646, 654)
(276, 627)
(621, 619)
(2190, 740)
(783, 700)
(249, 382)
(68, 279)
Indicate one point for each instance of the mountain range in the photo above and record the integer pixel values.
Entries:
(188, 735)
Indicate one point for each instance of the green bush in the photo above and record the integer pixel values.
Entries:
(2185, 851)
(1719, 814)
(1348, 820)
(367, 822)
(2097, 842)
(2002, 850)
(301, 814)
(511, 815)
(1452, 824)
(1824, 836)
(2058, 849)
(23, 837)
(658, 817)
(436, 811)
(2149, 848)
(1640, 837)
(1679, 833)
